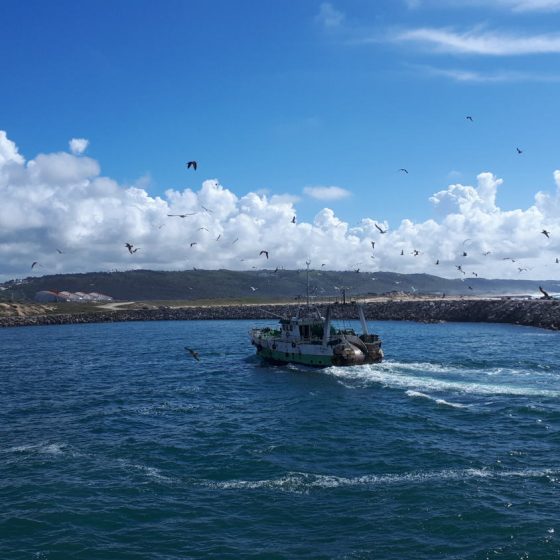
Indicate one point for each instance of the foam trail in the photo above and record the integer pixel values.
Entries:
(298, 482)
(417, 394)
(394, 375)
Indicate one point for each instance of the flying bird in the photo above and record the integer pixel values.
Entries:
(194, 243)
(193, 353)
(460, 269)
(192, 164)
(545, 232)
(557, 261)
(357, 270)
(486, 253)
(546, 295)
(381, 230)
(469, 118)
(130, 248)
(475, 274)
(402, 252)
(415, 252)
(181, 215)
(202, 228)
(218, 238)
(35, 263)
(207, 209)
(465, 254)
(235, 240)
(469, 287)
(372, 244)
(60, 252)
(519, 151)
(437, 262)
(404, 170)
(294, 220)
(521, 269)
(253, 288)
(264, 253)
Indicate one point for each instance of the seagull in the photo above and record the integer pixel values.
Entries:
(235, 240)
(519, 151)
(202, 228)
(253, 288)
(218, 238)
(193, 243)
(415, 252)
(129, 246)
(207, 209)
(508, 259)
(437, 262)
(181, 215)
(404, 170)
(372, 244)
(465, 254)
(486, 253)
(264, 253)
(35, 263)
(380, 229)
(475, 274)
(521, 269)
(402, 252)
(294, 220)
(547, 233)
(557, 261)
(193, 353)
(469, 118)
(460, 269)
(546, 295)
(59, 252)
(357, 270)
(192, 164)
(469, 287)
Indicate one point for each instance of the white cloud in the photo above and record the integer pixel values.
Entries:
(326, 193)
(59, 201)
(500, 76)
(78, 145)
(479, 42)
(520, 6)
(329, 16)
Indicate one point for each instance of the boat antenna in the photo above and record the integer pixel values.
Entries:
(308, 262)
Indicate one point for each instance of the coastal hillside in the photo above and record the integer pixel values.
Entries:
(261, 285)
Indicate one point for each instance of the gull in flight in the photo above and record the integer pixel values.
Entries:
(129, 246)
(381, 230)
(181, 215)
(192, 164)
(193, 353)
(264, 253)
(545, 232)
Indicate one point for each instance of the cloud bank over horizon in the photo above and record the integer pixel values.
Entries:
(59, 210)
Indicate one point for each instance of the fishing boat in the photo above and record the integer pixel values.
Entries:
(309, 338)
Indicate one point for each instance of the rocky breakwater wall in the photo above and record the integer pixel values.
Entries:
(536, 313)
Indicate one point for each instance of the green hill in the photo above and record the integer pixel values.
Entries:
(260, 285)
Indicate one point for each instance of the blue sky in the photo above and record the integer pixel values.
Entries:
(278, 96)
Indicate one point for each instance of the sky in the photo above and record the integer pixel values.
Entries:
(350, 116)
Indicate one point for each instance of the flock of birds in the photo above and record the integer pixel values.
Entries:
(415, 252)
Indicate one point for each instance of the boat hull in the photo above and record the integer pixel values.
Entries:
(315, 355)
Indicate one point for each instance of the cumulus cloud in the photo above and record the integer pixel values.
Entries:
(326, 193)
(78, 145)
(59, 210)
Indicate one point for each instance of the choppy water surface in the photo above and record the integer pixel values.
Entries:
(114, 443)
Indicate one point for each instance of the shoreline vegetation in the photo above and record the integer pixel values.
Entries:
(535, 313)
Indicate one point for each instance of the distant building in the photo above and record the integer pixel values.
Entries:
(50, 296)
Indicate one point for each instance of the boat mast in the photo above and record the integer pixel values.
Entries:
(308, 262)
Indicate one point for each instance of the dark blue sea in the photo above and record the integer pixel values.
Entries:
(117, 444)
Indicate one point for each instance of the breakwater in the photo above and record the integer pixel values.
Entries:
(536, 313)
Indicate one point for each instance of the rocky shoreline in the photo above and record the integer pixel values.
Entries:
(536, 313)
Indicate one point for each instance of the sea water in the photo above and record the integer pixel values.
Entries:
(115, 443)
